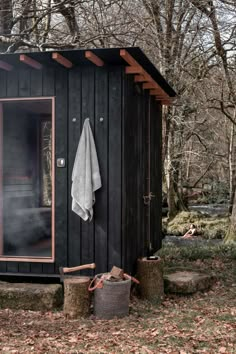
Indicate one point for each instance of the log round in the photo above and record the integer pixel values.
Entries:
(150, 275)
(76, 297)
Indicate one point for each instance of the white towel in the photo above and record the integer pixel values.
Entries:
(86, 177)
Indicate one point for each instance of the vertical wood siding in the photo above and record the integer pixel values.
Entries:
(156, 174)
(117, 109)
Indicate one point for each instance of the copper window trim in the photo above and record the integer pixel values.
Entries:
(29, 259)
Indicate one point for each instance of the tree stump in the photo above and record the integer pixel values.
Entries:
(76, 297)
(150, 275)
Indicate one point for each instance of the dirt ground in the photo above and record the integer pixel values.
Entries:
(201, 323)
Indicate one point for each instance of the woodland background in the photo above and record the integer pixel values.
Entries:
(192, 43)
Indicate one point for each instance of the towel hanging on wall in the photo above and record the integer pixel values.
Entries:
(86, 177)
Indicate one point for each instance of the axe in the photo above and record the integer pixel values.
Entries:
(64, 270)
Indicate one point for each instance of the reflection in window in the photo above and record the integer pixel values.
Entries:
(46, 162)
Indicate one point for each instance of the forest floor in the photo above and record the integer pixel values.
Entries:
(200, 323)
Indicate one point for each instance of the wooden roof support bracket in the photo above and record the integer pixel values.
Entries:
(139, 78)
(134, 69)
(93, 58)
(31, 62)
(5, 66)
(150, 83)
(159, 93)
(62, 60)
(128, 58)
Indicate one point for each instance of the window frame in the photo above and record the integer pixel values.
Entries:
(7, 258)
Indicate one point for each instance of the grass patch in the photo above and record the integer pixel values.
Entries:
(201, 252)
(209, 227)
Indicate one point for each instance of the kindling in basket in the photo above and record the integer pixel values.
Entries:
(111, 293)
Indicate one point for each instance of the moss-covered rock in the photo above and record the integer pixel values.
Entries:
(209, 227)
(35, 297)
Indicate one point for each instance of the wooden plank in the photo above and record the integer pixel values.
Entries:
(1, 181)
(101, 138)
(36, 268)
(93, 58)
(143, 166)
(128, 58)
(131, 61)
(24, 83)
(30, 62)
(48, 82)
(12, 84)
(74, 126)
(62, 60)
(12, 267)
(156, 178)
(139, 78)
(149, 85)
(133, 70)
(36, 83)
(48, 268)
(3, 86)
(115, 171)
(130, 185)
(24, 267)
(157, 92)
(87, 228)
(61, 188)
(5, 66)
(3, 266)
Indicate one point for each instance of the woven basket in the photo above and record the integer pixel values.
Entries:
(112, 300)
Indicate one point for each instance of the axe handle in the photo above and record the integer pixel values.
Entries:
(81, 267)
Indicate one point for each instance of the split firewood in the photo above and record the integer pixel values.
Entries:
(117, 272)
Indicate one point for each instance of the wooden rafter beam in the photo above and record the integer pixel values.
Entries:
(5, 66)
(164, 101)
(139, 78)
(158, 92)
(128, 58)
(31, 62)
(150, 85)
(93, 58)
(136, 68)
(133, 69)
(62, 60)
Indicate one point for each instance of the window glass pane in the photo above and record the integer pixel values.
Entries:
(26, 178)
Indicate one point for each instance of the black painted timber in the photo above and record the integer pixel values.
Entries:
(118, 110)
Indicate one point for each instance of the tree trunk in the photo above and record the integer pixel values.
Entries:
(231, 234)
(6, 16)
(232, 166)
(173, 177)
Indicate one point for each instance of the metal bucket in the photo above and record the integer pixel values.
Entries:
(112, 300)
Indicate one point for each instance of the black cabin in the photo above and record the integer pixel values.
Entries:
(44, 99)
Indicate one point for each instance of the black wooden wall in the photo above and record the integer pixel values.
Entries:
(49, 82)
(97, 94)
(117, 109)
(141, 126)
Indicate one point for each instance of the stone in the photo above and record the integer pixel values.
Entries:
(27, 296)
(187, 282)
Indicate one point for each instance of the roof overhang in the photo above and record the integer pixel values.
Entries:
(135, 61)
